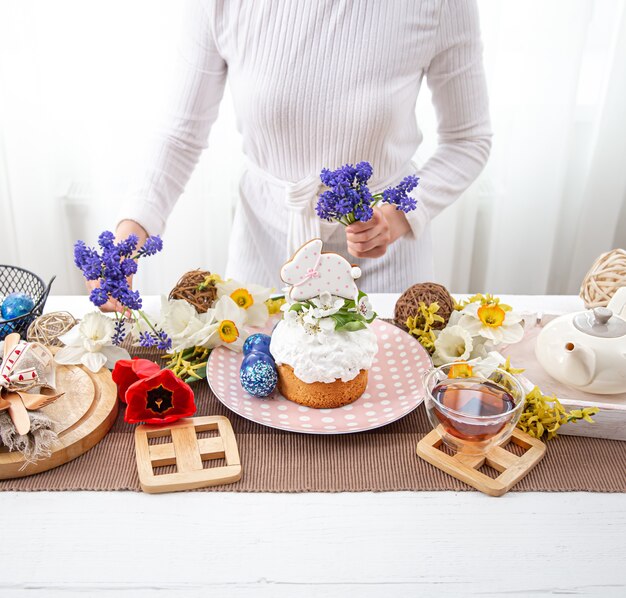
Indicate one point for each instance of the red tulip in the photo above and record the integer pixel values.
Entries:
(159, 399)
(129, 371)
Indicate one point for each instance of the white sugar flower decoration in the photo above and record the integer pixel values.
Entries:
(454, 343)
(249, 297)
(313, 324)
(326, 305)
(90, 343)
(364, 307)
(181, 322)
(226, 327)
(493, 322)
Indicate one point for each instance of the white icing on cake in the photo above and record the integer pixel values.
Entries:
(324, 356)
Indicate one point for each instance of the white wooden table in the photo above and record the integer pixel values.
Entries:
(392, 544)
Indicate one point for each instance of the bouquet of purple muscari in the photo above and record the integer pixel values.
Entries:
(111, 266)
(349, 199)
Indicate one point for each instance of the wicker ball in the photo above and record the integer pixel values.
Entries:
(188, 288)
(47, 329)
(428, 292)
(607, 274)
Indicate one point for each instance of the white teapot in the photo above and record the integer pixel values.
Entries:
(587, 349)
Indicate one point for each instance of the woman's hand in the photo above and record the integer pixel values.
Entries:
(124, 229)
(371, 238)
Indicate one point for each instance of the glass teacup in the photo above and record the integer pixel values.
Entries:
(473, 414)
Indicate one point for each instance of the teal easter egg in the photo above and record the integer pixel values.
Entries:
(16, 305)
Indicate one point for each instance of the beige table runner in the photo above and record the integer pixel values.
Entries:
(380, 460)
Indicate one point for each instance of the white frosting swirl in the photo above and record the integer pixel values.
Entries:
(325, 356)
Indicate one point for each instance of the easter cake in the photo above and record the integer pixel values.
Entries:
(323, 347)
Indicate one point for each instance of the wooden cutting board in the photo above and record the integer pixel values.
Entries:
(84, 415)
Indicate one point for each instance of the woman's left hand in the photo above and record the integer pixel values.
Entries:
(371, 238)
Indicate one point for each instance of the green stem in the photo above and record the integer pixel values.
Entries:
(145, 318)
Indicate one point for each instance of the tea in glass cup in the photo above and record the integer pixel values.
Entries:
(473, 413)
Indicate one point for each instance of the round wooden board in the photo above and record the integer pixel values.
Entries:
(84, 414)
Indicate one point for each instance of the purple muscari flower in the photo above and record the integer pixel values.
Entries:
(127, 297)
(410, 182)
(98, 296)
(364, 171)
(106, 240)
(349, 199)
(120, 332)
(146, 339)
(111, 266)
(363, 212)
(128, 246)
(398, 197)
(164, 342)
(128, 266)
(158, 339)
(88, 260)
(152, 245)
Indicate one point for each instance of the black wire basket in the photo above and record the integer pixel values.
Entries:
(18, 280)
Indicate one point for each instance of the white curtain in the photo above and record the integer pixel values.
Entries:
(82, 86)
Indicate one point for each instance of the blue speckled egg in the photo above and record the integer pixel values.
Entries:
(254, 356)
(16, 304)
(257, 342)
(258, 374)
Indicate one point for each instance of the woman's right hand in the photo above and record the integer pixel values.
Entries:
(123, 230)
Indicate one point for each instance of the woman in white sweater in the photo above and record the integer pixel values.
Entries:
(320, 84)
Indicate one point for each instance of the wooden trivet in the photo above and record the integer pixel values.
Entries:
(512, 468)
(187, 452)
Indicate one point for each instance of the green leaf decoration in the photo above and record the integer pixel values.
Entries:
(350, 326)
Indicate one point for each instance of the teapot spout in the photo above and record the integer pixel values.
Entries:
(579, 364)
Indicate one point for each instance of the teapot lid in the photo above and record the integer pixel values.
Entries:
(601, 322)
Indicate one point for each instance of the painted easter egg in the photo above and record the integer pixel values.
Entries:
(16, 304)
(257, 342)
(258, 374)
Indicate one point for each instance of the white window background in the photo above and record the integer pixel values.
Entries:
(83, 84)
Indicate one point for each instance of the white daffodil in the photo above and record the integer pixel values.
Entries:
(453, 343)
(249, 297)
(226, 327)
(90, 343)
(181, 322)
(326, 305)
(364, 307)
(493, 322)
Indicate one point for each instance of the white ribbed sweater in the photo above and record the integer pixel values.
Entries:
(319, 83)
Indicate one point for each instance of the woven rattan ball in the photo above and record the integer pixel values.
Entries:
(607, 274)
(192, 289)
(48, 328)
(428, 292)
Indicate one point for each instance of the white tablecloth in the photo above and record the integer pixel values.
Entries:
(393, 544)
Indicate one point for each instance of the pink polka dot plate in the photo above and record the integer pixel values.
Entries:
(394, 389)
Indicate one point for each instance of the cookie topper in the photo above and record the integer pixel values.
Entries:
(311, 272)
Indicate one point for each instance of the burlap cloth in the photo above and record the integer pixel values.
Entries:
(382, 460)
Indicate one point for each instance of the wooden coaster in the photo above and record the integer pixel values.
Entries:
(512, 467)
(187, 451)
